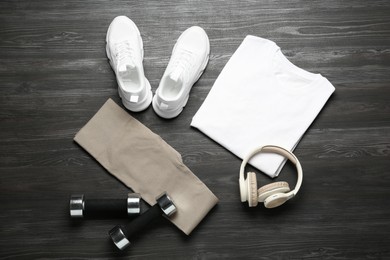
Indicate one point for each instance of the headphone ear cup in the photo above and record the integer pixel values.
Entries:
(275, 200)
(271, 189)
(252, 189)
(243, 190)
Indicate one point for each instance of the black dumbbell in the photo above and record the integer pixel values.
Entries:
(120, 235)
(81, 207)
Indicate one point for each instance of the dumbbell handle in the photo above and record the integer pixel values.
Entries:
(106, 207)
(142, 221)
(81, 207)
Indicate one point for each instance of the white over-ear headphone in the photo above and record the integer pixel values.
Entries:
(274, 194)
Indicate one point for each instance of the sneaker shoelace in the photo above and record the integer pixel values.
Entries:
(124, 53)
(182, 64)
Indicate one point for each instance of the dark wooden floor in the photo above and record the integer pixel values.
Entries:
(54, 76)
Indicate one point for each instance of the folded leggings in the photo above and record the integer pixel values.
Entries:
(145, 163)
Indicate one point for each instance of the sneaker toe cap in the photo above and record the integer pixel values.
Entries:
(122, 28)
(195, 39)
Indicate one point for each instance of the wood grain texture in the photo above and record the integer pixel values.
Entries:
(54, 76)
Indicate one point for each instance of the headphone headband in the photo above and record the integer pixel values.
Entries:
(281, 151)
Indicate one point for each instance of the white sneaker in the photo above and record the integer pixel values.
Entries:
(189, 58)
(125, 51)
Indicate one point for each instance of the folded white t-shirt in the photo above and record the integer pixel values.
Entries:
(261, 98)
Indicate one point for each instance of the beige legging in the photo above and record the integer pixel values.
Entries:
(145, 163)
